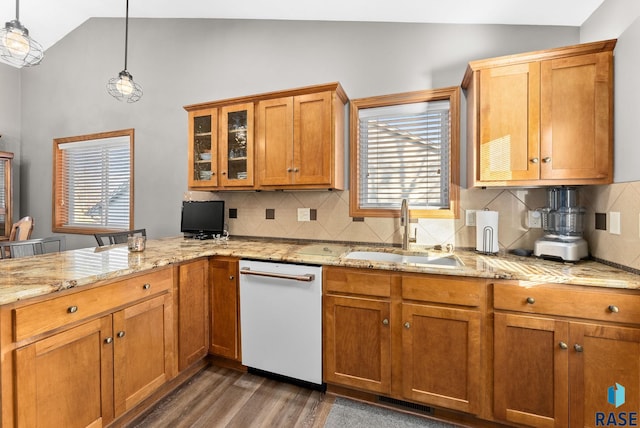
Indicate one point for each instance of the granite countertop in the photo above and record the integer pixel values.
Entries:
(35, 276)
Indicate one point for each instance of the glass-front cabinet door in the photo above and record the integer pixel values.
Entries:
(236, 145)
(5, 194)
(203, 148)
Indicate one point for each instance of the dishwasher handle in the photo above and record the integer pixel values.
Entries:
(305, 278)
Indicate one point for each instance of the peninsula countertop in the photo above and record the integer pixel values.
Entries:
(28, 277)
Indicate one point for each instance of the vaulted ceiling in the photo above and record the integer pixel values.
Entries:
(49, 21)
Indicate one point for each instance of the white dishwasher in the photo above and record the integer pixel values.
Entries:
(281, 319)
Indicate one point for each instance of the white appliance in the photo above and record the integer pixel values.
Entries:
(281, 319)
(563, 224)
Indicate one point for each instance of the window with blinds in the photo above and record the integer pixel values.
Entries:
(406, 148)
(404, 154)
(93, 182)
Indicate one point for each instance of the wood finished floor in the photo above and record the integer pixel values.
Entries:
(219, 397)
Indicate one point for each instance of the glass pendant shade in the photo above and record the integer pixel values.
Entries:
(16, 47)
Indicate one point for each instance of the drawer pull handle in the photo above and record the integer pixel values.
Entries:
(531, 300)
(121, 333)
(385, 321)
(108, 340)
(146, 286)
(407, 325)
(72, 309)
(578, 348)
(563, 345)
(614, 309)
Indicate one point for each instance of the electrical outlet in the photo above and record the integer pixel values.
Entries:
(535, 219)
(614, 223)
(470, 217)
(304, 214)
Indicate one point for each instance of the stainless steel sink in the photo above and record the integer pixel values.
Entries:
(444, 261)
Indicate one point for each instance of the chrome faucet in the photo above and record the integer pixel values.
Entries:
(405, 221)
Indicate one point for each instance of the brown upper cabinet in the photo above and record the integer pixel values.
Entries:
(298, 134)
(541, 118)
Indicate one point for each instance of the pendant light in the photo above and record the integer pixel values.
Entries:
(123, 88)
(16, 47)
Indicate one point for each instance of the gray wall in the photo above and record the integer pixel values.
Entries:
(620, 19)
(181, 62)
(10, 105)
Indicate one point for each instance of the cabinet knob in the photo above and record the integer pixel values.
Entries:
(385, 321)
(108, 340)
(296, 169)
(407, 325)
(531, 300)
(614, 309)
(534, 160)
(289, 170)
(546, 160)
(231, 277)
(563, 345)
(121, 333)
(578, 348)
(224, 173)
(146, 286)
(72, 309)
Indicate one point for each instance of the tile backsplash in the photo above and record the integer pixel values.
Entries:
(333, 223)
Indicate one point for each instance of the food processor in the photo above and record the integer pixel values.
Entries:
(563, 224)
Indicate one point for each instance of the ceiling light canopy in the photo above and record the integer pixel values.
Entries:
(16, 47)
(123, 88)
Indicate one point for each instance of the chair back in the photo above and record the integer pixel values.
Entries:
(21, 229)
(31, 247)
(111, 238)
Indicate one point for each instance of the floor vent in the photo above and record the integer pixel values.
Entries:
(400, 404)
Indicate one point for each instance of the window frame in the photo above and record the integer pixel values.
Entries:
(452, 94)
(59, 217)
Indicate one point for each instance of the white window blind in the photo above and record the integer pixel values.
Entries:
(96, 183)
(404, 153)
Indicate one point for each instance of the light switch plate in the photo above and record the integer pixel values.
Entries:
(535, 219)
(614, 223)
(304, 214)
(470, 217)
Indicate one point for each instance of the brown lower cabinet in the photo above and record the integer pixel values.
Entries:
(225, 309)
(74, 367)
(411, 337)
(193, 312)
(553, 370)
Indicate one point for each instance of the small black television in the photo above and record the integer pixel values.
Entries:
(202, 219)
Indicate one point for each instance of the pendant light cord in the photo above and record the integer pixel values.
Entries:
(126, 35)
(18, 10)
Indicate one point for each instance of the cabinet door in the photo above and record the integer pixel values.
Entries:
(193, 308)
(531, 370)
(66, 380)
(602, 357)
(441, 356)
(275, 141)
(143, 347)
(576, 117)
(313, 139)
(509, 123)
(357, 343)
(224, 309)
(236, 145)
(203, 148)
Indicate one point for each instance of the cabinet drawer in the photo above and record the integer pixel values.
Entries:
(441, 289)
(356, 281)
(54, 313)
(578, 302)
